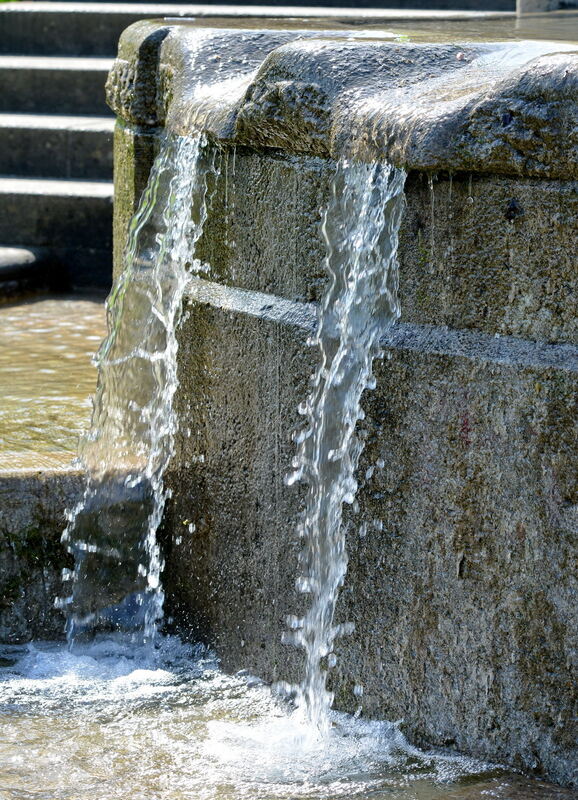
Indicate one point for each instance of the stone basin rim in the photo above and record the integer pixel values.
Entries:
(315, 93)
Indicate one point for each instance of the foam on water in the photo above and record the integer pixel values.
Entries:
(133, 723)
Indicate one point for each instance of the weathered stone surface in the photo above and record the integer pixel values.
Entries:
(32, 506)
(424, 107)
(134, 152)
(470, 587)
(131, 88)
(162, 65)
(475, 251)
(529, 122)
(499, 108)
(462, 587)
(503, 688)
(491, 253)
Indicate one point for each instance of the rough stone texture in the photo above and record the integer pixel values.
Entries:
(463, 585)
(476, 251)
(134, 151)
(492, 254)
(494, 108)
(463, 590)
(477, 434)
(536, 6)
(470, 588)
(32, 519)
(502, 284)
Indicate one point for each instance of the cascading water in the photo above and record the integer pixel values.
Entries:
(112, 531)
(360, 229)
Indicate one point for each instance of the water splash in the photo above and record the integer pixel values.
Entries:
(167, 724)
(360, 229)
(112, 531)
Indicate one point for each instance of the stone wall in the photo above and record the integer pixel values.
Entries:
(461, 581)
(32, 505)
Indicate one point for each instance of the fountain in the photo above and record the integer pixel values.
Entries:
(444, 510)
(274, 179)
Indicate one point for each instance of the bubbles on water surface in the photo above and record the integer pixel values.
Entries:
(133, 723)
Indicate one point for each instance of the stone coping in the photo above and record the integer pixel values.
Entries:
(501, 108)
(33, 463)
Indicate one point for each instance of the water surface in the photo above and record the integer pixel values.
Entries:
(46, 376)
(559, 26)
(116, 721)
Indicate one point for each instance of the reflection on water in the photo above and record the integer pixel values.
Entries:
(46, 375)
(112, 721)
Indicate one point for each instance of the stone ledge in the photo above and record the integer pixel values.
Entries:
(491, 108)
(434, 339)
(460, 586)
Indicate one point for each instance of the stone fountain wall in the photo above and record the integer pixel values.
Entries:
(462, 576)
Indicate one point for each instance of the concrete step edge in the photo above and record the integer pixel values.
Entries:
(471, 344)
(55, 63)
(57, 267)
(203, 10)
(25, 270)
(54, 122)
(59, 187)
(15, 261)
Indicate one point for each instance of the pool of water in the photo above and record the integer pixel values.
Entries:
(46, 376)
(113, 720)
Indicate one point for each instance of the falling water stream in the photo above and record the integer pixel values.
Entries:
(136, 715)
(112, 531)
(360, 230)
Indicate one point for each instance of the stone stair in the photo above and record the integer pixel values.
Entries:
(55, 162)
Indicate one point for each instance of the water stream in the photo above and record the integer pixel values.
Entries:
(360, 230)
(132, 714)
(141, 716)
(112, 532)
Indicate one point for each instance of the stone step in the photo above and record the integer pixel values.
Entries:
(56, 146)
(41, 84)
(93, 29)
(70, 221)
